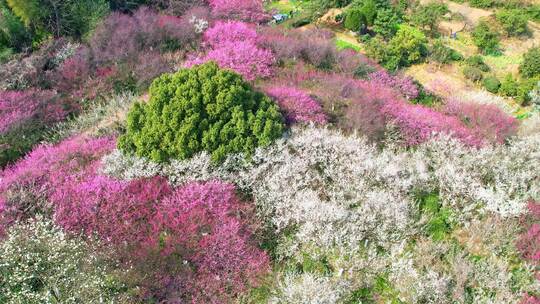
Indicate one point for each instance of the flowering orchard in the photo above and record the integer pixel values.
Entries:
(192, 153)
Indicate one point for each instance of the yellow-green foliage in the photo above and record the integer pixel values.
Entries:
(201, 109)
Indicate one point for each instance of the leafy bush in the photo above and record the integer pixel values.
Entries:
(482, 3)
(387, 23)
(39, 263)
(355, 20)
(508, 86)
(297, 106)
(477, 61)
(486, 38)
(408, 46)
(492, 84)
(514, 22)
(201, 109)
(530, 67)
(472, 73)
(442, 54)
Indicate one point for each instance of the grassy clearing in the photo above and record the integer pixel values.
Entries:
(342, 44)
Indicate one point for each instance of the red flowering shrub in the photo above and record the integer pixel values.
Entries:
(231, 31)
(528, 299)
(404, 85)
(486, 121)
(246, 10)
(297, 106)
(26, 186)
(529, 242)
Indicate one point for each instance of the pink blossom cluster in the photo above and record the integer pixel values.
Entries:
(404, 85)
(417, 123)
(297, 106)
(229, 50)
(200, 223)
(245, 10)
(529, 242)
(19, 107)
(486, 121)
(204, 225)
(224, 32)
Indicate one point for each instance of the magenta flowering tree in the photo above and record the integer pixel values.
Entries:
(154, 226)
(486, 121)
(26, 186)
(243, 57)
(224, 32)
(297, 106)
(418, 123)
(233, 45)
(20, 107)
(529, 242)
(404, 85)
(246, 10)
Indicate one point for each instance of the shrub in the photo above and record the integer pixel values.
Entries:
(530, 67)
(486, 38)
(513, 21)
(492, 84)
(387, 23)
(39, 263)
(202, 108)
(442, 54)
(508, 86)
(473, 73)
(355, 20)
(246, 10)
(482, 3)
(477, 61)
(297, 106)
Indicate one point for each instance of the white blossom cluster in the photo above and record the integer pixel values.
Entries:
(199, 24)
(39, 263)
(307, 288)
(65, 52)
